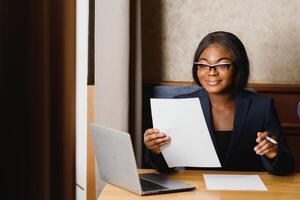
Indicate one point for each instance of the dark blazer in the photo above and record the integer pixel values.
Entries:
(253, 113)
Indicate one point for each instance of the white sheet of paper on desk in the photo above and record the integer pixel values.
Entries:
(234, 182)
(184, 122)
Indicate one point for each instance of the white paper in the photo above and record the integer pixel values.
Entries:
(234, 182)
(184, 122)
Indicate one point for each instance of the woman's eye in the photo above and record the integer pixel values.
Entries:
(223, 66)
(202, 65)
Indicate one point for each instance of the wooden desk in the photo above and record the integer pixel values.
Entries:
(279, 187)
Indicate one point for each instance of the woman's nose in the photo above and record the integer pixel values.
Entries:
(213, 72)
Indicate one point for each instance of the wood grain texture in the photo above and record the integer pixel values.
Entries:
(279, 187)
(91, 186)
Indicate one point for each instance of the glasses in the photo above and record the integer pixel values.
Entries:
(221, 67)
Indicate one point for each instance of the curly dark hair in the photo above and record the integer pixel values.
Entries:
(240, 59)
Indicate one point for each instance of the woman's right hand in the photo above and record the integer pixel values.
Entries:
(154, 140)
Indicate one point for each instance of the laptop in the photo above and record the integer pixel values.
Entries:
(117, 165)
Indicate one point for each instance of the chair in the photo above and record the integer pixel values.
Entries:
(172, 91)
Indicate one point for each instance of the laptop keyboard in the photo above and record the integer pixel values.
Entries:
(148, 186)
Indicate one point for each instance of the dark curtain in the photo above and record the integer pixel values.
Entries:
(37, 74)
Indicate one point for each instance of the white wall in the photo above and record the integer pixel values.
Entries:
(112, 63)
(111, 66)
(82, 14)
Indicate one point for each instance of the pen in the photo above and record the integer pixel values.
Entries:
(271, 140)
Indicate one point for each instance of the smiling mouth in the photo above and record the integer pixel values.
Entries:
(212, 83)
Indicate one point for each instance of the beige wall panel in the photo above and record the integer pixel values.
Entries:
(269, 29)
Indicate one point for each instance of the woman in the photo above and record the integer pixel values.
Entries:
(238, 120)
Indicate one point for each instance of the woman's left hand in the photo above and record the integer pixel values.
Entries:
(264, 146)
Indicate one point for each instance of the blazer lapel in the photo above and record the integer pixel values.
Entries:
(240, 115)
(205, 104)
